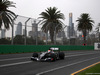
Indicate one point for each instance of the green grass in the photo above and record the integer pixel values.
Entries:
(95, 70)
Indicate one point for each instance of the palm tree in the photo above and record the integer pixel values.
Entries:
(85, 24)
(6, 16)
(51, 20)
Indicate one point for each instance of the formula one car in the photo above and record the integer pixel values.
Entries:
(52, 54)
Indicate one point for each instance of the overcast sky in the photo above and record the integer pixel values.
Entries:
(32, 8)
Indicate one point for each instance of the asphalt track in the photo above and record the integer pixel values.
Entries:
(20, 64)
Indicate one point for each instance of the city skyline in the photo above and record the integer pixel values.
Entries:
(32, 8)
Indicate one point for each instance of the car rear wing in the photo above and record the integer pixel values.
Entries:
(55, 49)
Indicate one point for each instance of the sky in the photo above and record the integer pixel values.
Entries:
(32, 8)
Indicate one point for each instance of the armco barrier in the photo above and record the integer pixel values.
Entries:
(4, 49)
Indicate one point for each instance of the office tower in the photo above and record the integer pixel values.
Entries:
(70, 24)
(70, 19)
(34, 26)
(3, 31)
(19, 29)
(70, 29)
(33, 33)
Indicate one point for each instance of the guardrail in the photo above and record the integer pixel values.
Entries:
(4, 49)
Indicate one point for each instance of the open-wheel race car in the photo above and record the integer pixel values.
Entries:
(52, 54)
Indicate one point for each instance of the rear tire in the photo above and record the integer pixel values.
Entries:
(61, 55)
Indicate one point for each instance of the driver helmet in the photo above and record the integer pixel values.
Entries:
(49, 50)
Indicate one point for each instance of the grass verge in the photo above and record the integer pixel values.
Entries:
(94, 70)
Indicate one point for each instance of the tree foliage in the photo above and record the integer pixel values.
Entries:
(85, 24)
(6, 16)
(51, 18)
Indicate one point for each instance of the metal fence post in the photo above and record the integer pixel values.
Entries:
(37, 32)
(26, 29)
(63, 34)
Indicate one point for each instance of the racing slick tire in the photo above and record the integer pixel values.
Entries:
(35, 54)
(61, 55)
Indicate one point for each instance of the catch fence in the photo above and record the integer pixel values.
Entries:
(27, 31)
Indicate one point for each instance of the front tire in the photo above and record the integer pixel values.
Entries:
(35, 54)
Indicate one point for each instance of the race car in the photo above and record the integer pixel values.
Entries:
(52, 54)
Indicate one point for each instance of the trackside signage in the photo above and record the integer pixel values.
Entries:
(96, 46)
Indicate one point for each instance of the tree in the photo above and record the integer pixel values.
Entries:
(6, 16)
(51, 19)
(5, 41)
(85, 24)
(19, 39)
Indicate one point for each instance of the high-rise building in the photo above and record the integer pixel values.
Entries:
(33, 33)
(3, 31)
(19, 29)
(70, 19)
(70, 28)
(34, 26)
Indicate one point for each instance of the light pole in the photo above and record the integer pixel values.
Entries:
(26, 29)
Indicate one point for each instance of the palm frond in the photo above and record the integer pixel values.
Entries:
(7, 15)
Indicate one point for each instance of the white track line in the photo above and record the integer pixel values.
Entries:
(15, 63)
(65, 66)
(79, 54)
(14, 58)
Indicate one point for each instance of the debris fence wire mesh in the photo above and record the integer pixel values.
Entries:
(35, 36)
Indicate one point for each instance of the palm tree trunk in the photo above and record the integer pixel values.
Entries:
(84, 33)
(52, 36)
(84, 40)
